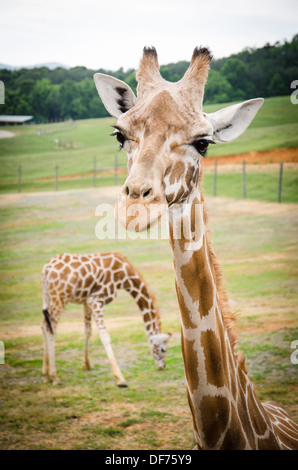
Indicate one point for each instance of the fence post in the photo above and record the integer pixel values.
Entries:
(280, 181)
(94, 172)
(56, 183)
(244, 178)
(20, 179)
(116, 170)
(215, 177)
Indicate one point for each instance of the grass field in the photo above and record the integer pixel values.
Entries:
(257, 245)
(256, 242)
(74, 149)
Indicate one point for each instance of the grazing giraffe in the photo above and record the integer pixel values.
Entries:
(165, 133)
(93, 280)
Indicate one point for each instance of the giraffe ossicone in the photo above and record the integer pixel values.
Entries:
(93, 281)
(165, 132)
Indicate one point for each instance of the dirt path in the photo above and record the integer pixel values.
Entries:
(266, 156)
(6, 134)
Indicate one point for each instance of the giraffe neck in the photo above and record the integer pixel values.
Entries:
(222, 401)
(145, 300)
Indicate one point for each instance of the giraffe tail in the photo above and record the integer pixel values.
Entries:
(47, 319)
(45, 311)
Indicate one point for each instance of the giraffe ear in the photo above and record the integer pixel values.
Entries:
(116, 96)
(228, 123)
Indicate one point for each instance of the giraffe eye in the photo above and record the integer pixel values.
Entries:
(120, 137)
(201, 146)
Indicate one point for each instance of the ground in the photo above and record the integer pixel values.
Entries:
(256, 245)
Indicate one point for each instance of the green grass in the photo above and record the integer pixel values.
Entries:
(261, 184)
(275, 126)
(256, 243)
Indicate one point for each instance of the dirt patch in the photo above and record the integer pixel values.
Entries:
(100, 193)
(6, 134)
(247, 206)
(138, 430)
(265, 156)
(63, 327)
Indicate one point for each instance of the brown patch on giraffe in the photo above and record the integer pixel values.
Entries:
(234, 438)
(142, 303)
(147, 318)
(95, 288)
(65, 273)
(66, 258)
(107, 277)
(197, 279)
(117, 265)
(170, 198)
(189, 175)
(97, 261)
(215, 413)
(214, 361)
(194, 222)
(59, 265)
(134, 293)
(176, 172)
(190, 358)
(270, 442)
(89, 280)
(73, 279)
(75, 264)
(107, 262)
(83, 271)
(118, 276)
(185, 313)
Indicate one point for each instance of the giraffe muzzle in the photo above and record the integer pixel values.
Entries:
(139, 207)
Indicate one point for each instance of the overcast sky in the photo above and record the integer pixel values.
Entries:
(111, 34)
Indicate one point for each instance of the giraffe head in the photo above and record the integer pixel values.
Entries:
(158, 345)
(165, 132)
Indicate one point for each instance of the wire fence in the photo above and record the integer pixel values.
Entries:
(115, 175)
(244, 180)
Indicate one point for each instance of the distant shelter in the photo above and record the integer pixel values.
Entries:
(16, 120)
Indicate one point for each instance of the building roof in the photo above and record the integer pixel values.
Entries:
(15, 118)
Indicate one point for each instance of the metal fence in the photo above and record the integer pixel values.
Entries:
(116, 171)
(244, 186)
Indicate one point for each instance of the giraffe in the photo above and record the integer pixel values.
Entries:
(165, 132)
(93, 280)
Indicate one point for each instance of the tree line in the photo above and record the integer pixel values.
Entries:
(52, 95)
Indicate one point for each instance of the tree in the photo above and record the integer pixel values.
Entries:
(235, 72)
(39, 98)
(218, 89)
(276, 86)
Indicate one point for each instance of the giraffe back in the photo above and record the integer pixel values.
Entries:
(73, 278)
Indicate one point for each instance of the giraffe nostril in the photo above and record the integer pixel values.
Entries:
(147, 192)
(127, 190)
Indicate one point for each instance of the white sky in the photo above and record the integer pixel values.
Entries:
(111, 34)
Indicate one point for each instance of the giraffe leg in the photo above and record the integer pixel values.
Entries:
(49, 365)
(88, 330)
(106, 341)
(45, 365)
